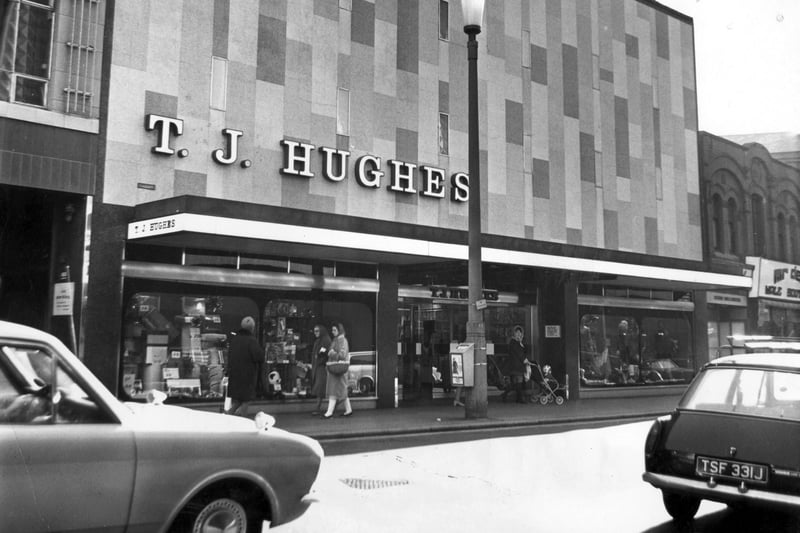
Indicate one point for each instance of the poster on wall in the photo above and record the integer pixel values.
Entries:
(552, 332)
(457, 362)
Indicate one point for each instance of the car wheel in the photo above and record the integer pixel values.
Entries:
(681, 507)
(221, 515)
(364, 386)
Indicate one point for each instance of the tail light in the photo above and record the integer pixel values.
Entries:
(655, 434)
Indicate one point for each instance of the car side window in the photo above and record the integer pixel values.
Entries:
(37, 391)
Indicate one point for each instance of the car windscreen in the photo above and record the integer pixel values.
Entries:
(752, 391)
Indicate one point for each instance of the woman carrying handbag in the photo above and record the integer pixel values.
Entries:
(338, 360)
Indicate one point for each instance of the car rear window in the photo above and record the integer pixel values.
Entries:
(750, 391)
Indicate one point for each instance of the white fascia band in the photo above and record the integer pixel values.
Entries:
(235, 227)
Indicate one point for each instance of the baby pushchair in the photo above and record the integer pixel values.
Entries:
(546, 387)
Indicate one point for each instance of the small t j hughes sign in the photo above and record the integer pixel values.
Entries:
(63, 297)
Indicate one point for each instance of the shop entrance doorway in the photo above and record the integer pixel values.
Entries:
(428, 330)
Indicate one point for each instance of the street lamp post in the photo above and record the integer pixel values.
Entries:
(476, 400)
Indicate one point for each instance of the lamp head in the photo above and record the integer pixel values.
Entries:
(473, 15)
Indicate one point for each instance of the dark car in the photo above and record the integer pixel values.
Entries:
(733, 437)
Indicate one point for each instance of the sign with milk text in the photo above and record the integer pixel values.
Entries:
(337, 165)
(775, 280)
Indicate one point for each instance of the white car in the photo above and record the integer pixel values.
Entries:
(74, 458)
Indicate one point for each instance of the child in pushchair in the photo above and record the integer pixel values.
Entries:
(546, 388)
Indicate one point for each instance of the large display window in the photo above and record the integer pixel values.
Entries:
(175, 338)
(635, 342)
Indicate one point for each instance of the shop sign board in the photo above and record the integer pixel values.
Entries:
(63, 298)
(775, 280)
(461, 293)
(368, 170)
(726, 298)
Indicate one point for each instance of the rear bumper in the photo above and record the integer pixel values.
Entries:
(722, 493)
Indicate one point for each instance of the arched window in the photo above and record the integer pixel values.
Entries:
(781, 236)
(733, 227)
(758, 225)
(792, 242)
(716, 223)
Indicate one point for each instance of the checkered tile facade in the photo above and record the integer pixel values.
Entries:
(587, 111)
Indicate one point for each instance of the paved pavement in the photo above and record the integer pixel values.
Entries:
(441, 415)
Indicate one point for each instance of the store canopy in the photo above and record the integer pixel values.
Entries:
(370, 242)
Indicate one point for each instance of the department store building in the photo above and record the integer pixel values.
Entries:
(306, 163)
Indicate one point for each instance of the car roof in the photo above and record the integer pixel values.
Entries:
(782, 360)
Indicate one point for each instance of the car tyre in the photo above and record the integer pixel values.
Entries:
(221, 514)
(364, 386)
(681, 507)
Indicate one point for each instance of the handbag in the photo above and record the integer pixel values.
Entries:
(337, 368)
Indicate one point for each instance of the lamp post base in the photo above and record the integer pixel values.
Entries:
(476, 400)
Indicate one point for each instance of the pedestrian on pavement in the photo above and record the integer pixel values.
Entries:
(517, 366)
(336, 387)
(319, 376)
(245, 361)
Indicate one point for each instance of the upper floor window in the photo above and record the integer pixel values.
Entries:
(26, 35)
(781, 236)
(716, 222)
(733, 227)
(444, 20)
(758, 224)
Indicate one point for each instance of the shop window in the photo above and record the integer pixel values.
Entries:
(635, 347)
(27, 29)
(177, 343)
(356, 270)
(152, 254)
(210, 259)
(264, 263)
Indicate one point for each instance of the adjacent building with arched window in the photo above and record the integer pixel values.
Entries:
(752, 207)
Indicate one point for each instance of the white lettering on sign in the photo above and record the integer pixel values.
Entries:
(404, 177)
(368, 173)
(233, 148)
(165, 126)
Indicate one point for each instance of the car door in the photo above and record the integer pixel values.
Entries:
(18, 511)
(80, 460)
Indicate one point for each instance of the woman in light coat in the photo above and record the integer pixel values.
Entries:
(336, 388)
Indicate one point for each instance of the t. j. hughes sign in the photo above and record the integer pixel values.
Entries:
(367, 170)
(772, 279)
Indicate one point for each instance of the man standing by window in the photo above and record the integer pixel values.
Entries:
(245, 358)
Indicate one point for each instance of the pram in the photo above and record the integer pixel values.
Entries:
(546, 387)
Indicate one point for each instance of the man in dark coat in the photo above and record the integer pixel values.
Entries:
(245, 358)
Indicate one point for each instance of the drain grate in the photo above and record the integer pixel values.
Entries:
(370, 484)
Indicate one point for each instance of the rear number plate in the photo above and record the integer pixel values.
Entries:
(710, 467)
